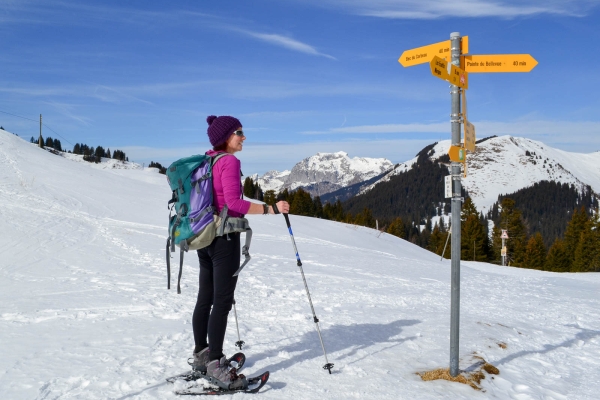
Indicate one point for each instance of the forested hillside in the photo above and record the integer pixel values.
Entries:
(547, 207)
(414, 195)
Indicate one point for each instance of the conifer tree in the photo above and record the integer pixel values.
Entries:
(573, 232)
(437, 240)
(535, 253)
(473, 242)
(258, 193)
(108, 154)
(586, 252)
(365, 218)
(284, 195)
(32, 140)
(302, 203)
(558, 259)
(397, 228)
(249, 190)
(270, 197)
(318, 207)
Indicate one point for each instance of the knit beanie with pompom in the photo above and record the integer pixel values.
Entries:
(220, 128)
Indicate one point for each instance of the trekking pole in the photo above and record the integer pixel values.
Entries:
(327, 365)
(240, 342)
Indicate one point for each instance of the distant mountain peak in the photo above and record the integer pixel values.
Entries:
(505, 164)
(324, 173)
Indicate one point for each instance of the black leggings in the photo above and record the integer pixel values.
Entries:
(218, 263)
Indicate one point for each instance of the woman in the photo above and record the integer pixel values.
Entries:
(221, 259)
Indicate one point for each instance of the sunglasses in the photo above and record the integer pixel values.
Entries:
(239, 132)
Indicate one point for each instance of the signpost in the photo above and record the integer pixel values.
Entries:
(504, 236)
(453, 53)
(424, 54)
(498, 63)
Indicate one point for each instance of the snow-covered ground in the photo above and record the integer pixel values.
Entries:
(84, 310)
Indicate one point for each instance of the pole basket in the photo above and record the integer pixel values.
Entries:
(239, 344)
(328, 367)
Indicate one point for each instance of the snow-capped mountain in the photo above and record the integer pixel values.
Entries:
(325, 172)
(505, 164)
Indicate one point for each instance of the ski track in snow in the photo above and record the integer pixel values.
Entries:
(85, 314)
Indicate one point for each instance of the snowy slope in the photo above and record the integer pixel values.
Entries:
(85, 314)
(501, 165)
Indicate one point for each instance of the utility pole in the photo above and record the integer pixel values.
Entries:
(455, 122)
(41, 139)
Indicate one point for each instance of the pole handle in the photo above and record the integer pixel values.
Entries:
(287, 220)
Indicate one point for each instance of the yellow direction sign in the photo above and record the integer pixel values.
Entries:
(456, 76)
(459, 77)
(424, 54)
(457, 154)
(498, 63)
(469, 136)
(439, 68)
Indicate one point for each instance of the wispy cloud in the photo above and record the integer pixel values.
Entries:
(432, 9)
(583, 129)
(51, 12)
(67, 110)
(284, 41)
(385, 128)
(112, 95)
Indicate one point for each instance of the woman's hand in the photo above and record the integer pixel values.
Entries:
(282, 206)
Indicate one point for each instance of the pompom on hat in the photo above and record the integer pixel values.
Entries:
(220, 128)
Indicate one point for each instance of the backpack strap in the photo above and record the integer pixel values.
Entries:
(223, 217)
(245, 251)
(168, 263)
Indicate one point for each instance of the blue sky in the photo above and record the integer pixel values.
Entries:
(303, 76)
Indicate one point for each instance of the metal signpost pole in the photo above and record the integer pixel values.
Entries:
(455, 49)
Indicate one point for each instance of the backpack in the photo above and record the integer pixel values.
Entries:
(195, 223)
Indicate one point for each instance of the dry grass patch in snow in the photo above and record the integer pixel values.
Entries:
(472, 379)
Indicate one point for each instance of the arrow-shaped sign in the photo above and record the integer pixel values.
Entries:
(424, 54)
(498, 63)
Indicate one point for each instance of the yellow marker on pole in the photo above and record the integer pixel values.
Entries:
(424, 54)
(457, 154)
(498, 63)
(459, 77)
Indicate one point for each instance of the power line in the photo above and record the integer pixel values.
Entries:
(29, 119)
(58, 134)
(15, 115)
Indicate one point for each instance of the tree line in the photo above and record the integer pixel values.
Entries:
(89, 153)
(577, 250)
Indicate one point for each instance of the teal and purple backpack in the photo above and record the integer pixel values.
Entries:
(195, 223)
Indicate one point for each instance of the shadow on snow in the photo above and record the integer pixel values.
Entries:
(337, 338)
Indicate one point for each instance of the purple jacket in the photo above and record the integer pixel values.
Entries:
(227, 185)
